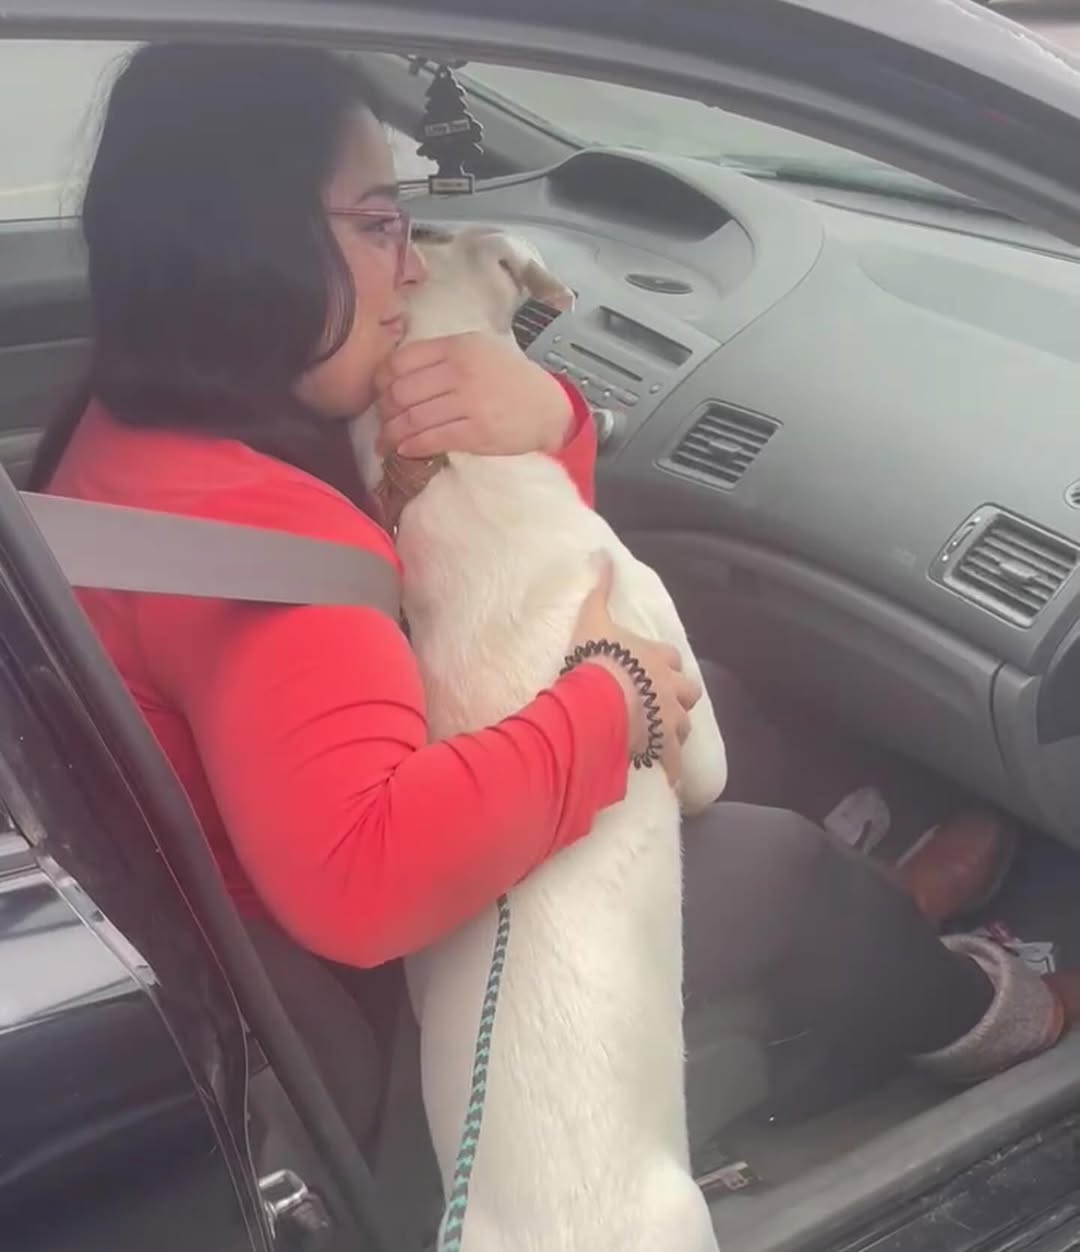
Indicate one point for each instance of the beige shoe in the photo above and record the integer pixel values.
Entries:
(1066, 986)
(1027, 1016)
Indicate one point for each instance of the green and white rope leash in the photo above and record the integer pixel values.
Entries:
(453, 1222)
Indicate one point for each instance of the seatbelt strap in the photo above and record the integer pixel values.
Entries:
(118, 548)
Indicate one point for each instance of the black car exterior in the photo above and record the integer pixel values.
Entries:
(122, 1070)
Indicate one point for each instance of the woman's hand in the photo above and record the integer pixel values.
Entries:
(676, 694)
(468, 393)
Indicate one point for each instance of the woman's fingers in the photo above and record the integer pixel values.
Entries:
(672, 656)
(675, 693)
(594, 606)
(406, 392)
(687, 692)
(506, 404)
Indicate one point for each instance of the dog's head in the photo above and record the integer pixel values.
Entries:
(477, 279)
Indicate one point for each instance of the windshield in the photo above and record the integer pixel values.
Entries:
(597, 114)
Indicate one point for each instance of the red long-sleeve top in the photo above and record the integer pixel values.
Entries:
(300, 734)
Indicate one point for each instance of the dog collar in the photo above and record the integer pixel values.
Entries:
(403, 478)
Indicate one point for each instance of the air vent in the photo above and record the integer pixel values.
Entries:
(531, 320)
(721, 445)
(1012, 568)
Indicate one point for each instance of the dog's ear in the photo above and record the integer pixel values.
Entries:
(524, 265)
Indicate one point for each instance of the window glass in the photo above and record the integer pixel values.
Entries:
(54, 94)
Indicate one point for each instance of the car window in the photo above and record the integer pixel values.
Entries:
(54, 95)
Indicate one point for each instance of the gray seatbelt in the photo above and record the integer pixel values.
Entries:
(125, 549)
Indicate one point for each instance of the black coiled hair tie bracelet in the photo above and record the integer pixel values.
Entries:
(643, 683)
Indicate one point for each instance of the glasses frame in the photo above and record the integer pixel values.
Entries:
(398, 214)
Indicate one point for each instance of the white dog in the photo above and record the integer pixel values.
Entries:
(583, 1143)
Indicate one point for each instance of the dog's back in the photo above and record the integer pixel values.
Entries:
(583, 1142)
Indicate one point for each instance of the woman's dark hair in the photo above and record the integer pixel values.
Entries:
(215, 278)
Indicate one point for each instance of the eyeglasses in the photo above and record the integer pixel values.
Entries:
(383, 226)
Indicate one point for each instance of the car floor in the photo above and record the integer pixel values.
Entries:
(1037, 903)
(778, 1156)
(1040, 898)
(832, 1170)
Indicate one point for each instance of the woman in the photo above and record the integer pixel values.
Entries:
(247, 262)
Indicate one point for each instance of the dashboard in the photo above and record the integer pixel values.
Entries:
(846, 431)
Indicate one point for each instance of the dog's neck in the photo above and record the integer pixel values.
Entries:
(403, 479)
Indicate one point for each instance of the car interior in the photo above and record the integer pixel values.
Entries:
(816, 380)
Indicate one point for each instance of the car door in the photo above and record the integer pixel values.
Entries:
(123, 1058)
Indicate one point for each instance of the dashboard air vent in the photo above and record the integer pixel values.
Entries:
(1012, 568)
(721, 445)
(531, 320)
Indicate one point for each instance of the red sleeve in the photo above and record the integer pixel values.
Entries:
(363, 840)
(578, 453)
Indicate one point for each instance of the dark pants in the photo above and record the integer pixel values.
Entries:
(771, 901)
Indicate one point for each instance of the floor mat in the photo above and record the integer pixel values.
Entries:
(1041, 898)
(779, 1155)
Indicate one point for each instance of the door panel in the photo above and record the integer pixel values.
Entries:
(44, 331)
(104, 1143)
